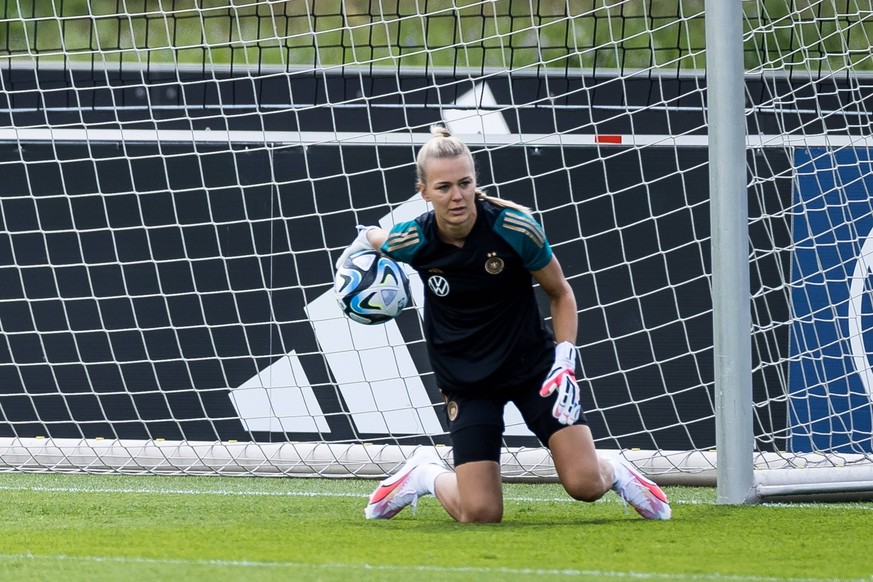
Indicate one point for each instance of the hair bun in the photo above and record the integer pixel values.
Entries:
(437, 130)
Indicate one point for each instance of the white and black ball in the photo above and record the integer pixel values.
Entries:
(371, 288)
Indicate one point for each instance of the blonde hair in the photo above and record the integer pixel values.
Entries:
(443, 144)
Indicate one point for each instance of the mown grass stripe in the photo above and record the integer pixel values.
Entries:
(411, 569)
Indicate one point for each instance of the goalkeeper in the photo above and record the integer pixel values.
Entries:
(489, 345)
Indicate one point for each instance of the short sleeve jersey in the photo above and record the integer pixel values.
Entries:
(483, 326)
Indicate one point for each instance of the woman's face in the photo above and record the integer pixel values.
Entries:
(451, 189)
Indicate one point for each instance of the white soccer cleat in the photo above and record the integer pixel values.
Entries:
(642, 494)
(399, 490)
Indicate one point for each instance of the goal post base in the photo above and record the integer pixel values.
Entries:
(778, 476)
(853, 483)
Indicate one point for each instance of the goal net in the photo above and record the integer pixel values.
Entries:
(178, 177)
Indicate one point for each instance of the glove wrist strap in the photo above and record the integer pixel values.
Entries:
(565, 352)
(362, 237)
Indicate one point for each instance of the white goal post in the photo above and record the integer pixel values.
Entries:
(177, 182)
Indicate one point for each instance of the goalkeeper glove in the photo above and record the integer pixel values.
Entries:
(562, 378)
(361, 243)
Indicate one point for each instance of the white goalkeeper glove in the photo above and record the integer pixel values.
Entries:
(361, 243)
(563, 379)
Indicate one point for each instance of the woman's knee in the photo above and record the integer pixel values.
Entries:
(587, 486)
(584, 490)
(480, 494)
(482, 513)
(584, 475)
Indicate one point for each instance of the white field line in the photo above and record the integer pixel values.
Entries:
(163, 491)
(514, 572)
(244, 493)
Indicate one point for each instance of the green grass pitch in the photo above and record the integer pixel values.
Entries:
(110, 527)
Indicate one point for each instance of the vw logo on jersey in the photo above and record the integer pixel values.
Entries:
(438, 285)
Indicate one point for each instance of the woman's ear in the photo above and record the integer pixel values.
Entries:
(422, 191)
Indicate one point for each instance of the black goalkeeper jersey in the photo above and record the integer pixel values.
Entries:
(482, 323)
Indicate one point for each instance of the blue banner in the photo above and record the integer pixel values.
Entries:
(831, 339)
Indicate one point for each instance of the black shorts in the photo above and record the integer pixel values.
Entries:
(476, 421)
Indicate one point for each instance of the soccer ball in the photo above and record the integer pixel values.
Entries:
(371, 288)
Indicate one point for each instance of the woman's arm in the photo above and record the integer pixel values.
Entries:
(377, 236)
(369, 238)
(562, 301)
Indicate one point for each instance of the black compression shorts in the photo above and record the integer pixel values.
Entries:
(476, 421)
